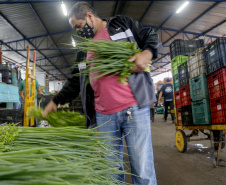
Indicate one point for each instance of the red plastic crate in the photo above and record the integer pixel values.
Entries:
(218, 110)
(185, 95)
(177, 99)
(217, 84)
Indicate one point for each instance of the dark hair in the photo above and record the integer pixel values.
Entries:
(80, 9)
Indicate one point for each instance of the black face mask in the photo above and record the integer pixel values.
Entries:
(86, 32)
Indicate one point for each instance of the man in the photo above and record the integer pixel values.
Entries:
(167, 92)
(22, 90)
(126, 108)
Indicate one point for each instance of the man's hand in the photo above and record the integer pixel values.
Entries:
(49, 108)
(141, 61)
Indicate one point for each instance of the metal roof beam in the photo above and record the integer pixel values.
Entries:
(31, 61)
(18, 31)
(156, 27)
(44, 27)
(116, 8)
(189, 24)
(146, 11)
(124, 7)
(220, 23)
(54, 1)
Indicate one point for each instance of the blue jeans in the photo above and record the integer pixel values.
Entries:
(137, 134)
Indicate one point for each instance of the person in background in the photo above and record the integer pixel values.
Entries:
(124, 108)
(167, 92)
(16, 81)
(22, 90)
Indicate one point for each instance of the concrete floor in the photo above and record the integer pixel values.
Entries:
(194, 167)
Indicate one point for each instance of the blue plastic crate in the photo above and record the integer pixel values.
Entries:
(199, 88)
(201, 112)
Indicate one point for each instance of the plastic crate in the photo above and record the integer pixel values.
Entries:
(186, 114)
(185, 95)
(43, 100)
(218, 110)
(175, 62)
(177, 99)
(199, 88)
(178, 117)
(7, 79)
(196, 64)
(217, 84)
(5, 66)
(201, 112)
(184, 47)
(176, 82)
(183, 74)
(6, 72)
(215, 55)
(11, 116)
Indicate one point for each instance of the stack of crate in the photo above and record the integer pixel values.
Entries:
(199, 88)
(215, 60)
(6, 71)
(179, 50)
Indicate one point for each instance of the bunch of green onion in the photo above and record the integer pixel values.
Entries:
(58, 156)
(109, 58)
(59, 118)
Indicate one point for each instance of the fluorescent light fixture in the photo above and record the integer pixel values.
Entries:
(73, 42)
(182, 6)
(64, 8)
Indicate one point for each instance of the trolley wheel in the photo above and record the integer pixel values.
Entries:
(181, 141)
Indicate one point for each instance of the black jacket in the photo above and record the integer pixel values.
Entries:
(120, 28)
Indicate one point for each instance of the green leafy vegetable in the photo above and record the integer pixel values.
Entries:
(109, 58)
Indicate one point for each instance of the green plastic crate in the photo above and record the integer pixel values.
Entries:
(199, 88)
(160, 110)
(176, 84)
(177, 61)
(201, 112)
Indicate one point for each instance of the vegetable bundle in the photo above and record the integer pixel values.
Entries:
(59, 118)
(58, 156)
(109, 58)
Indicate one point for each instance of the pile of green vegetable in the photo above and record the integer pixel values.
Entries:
(59, 118)
(109, 58)
(58, 156)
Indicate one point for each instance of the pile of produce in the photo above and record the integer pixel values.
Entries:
(109, 58)
(58, 156)
(59, 118)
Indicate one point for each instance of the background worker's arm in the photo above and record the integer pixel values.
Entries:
(160, 96)
(21, 95)
(39, 91)
(69, 91)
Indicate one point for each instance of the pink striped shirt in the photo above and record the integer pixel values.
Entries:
(110, 95)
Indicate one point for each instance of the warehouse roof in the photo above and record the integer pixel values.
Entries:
(43, 25)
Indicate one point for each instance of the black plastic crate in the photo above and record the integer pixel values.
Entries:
(6, 72)
(43, 100)
(7, 79)
(183, 74)
(215, 55)
(5, 66)
(11, 116)
(186, 114)
(184, 47)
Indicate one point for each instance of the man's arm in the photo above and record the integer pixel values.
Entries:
(147, 40)
(21, 95)
(39, 91)
(69, 91)
(160, 96)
